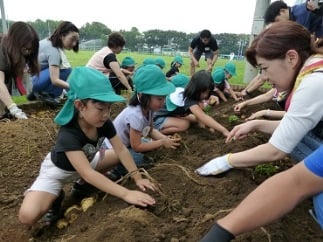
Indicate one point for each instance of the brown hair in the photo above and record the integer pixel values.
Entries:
(21, 35)
(63, 29)
(116, 40)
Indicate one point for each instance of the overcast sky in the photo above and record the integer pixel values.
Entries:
(219, 16)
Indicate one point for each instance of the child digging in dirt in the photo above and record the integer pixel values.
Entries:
(183, 107)
(135, 123)
(221, 78)
(78, 151)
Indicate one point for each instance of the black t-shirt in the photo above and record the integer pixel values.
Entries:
(71, 138)
(197, 43)
(178, 112)
(172, 71)
(108, 59)
(112, 76)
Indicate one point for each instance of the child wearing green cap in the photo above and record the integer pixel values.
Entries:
(127, 67)
(221, 78)
(160, 62)
(174, 67)
(80, 151)
(135, 122)
(183, 107)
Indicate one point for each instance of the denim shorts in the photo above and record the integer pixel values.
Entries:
(159, 122)
(137, 157)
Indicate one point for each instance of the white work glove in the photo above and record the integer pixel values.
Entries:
(17, 112)
(215, 166)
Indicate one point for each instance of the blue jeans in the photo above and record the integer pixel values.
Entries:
(43, 83)
(138, 158)
(159, 122)
(306, 146)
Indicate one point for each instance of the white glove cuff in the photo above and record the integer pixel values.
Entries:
(215, 166)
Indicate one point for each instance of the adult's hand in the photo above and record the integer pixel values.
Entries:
(238, 107)
(240, 131)
(17, 112)
(215, 166)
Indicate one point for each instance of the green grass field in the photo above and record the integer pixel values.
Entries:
(81, 58)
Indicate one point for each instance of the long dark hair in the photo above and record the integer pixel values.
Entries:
(200, 82)
(21, 35)
(143, 100)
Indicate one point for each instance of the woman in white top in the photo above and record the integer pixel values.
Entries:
(294, 64)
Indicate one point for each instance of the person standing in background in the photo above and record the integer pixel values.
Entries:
(206, 44)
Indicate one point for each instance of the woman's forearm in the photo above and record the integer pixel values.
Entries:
(257, 155)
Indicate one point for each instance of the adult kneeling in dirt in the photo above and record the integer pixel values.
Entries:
(296, 65)
(48, 86)
(80, 152)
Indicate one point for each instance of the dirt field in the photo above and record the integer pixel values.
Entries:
(185, 209)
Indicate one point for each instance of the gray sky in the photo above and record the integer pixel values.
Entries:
(224, 16)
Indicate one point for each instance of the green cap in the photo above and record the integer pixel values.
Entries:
(231, 68)
(218, 75)
(150, 79)
(128, 62)
(86, 82)
(148, 61)
(175, 99)
(178, 59)
(160, 62)
(180, 80)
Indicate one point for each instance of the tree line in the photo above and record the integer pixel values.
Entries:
(150, 39)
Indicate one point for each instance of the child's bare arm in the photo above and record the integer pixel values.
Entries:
(221, 95)
(208, 120)
(95, 178)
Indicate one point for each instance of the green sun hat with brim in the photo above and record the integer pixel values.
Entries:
(150, 79)
(231, 68)
(160, 62)
(180, 80)
(175, 99)
(86, 82)
(128, 62)
(148, 61)
(178, 59)
(218, 75)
